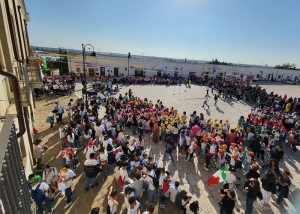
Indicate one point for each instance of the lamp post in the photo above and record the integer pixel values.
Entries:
(129, 56)
(62, 51)
(84, 71)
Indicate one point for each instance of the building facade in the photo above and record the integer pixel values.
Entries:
(18, 74)
(114, 66)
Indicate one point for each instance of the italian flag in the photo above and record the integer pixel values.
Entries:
(218, 177)
(35, 131)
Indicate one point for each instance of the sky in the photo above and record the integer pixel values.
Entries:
(238, 31)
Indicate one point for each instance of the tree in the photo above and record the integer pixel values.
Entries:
(60, 62)
(217, 62)
(287, 66)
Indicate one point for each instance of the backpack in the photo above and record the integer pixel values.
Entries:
(38, 195)
(65, 140)
(154, 181)
(165, 186)
(109, 147)
(51, 170)
(140, 124)
(90, 171)
(120, 181)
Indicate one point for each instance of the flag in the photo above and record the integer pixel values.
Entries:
(218, 177)
(35, 131)
(129, 56)
(43, 63)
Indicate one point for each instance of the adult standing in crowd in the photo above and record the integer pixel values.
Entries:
(39, 193)
(66, 176)
(60, 111)
(38, 151)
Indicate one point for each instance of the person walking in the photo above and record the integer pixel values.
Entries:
(50, 176)
(91, 170)
(39, 193)
(268, 187)
(169, 149)
(60, 111)
(216, 97)
(38, 151)
(227, 203)
(284, 183)
(66, 176)
(50, 118)
(252, 187)
(205, 101)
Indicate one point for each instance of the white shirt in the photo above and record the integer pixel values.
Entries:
(91, 162)
(103, 157)
(88, 150)
(67, 175)
(113, 208)
(150, 180)
(123, 173)
(71, 138)
(126, 199)
(43, 186)
(230, 178)
(50, 175)
(134, 210)
(62, 132)
(173, 193)
(161, 180)
(121, 136)
(88, 135)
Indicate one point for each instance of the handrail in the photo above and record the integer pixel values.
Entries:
(18, 99)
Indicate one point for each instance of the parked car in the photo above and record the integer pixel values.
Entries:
(288, 81)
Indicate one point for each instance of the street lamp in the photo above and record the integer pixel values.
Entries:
(129, 56)
(84, 71)
(60, 51)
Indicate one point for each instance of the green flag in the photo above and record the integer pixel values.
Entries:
(43, 63)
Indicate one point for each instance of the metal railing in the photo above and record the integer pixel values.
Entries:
(14, 191)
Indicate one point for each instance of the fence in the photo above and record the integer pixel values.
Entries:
(14, 192)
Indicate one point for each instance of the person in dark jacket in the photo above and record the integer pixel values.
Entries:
(227, 203)
(255, 144)
(277, 153)
(272, 166)
(252, 187)
(91, 170)
(252, 173)
(268, 187)
(284, 183)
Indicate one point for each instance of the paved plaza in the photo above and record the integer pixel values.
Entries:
(192, 177)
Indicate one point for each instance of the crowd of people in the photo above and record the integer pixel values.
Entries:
(62, 85)
(271, 124)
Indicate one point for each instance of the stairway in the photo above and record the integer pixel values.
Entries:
(34, 73)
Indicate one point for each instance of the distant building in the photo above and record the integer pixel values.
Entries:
(114, 66)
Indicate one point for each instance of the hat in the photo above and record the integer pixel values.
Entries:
(251, 153)
(90, 142)
(234, 156)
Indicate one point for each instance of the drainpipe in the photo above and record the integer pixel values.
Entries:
(18, 99)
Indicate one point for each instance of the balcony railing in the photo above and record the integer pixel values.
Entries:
(14, 192)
